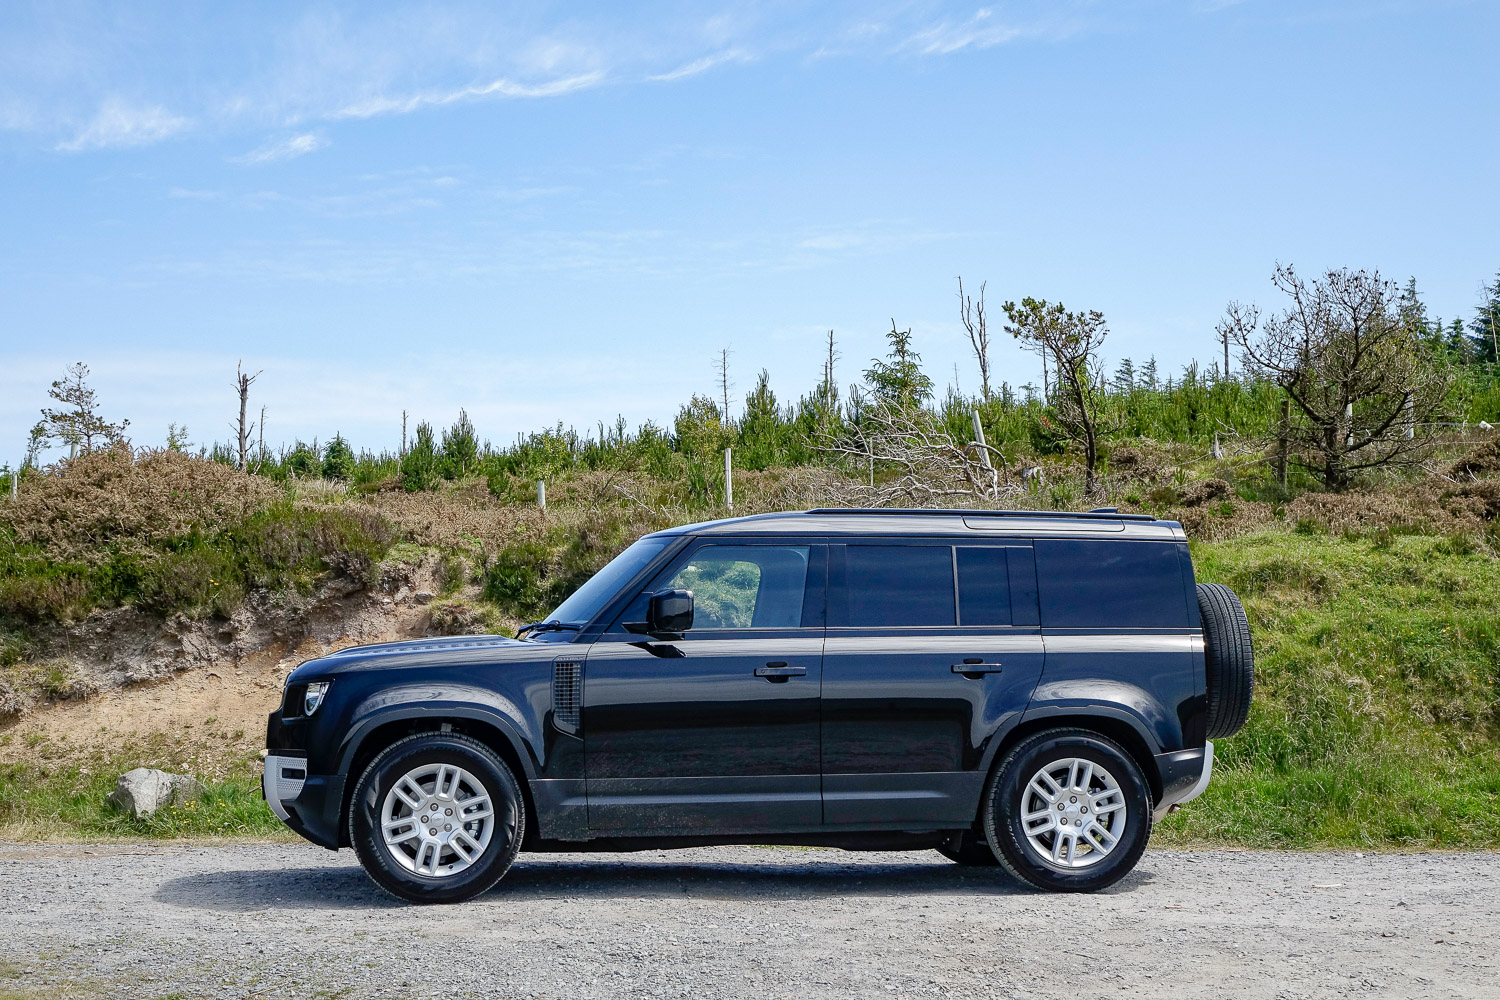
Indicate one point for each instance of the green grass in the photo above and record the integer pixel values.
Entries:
(41, 801)
(1375, 722)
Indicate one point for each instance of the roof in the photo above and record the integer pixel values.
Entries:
(964, 523)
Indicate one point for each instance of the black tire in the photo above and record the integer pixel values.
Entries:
(412, 753)
(1008, 789)
(1230, 659)
(969, 849)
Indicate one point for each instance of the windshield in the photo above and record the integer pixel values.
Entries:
(588, 599)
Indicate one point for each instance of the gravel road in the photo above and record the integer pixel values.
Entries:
(280, 920)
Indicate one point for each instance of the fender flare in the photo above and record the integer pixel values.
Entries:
(1073, 699)
(513, 729)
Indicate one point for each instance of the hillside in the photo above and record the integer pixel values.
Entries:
(153, 603)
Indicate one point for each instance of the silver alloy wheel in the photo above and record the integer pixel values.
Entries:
(437, 820)
(1073, 813)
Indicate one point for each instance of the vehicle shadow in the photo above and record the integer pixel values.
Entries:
(647, 876)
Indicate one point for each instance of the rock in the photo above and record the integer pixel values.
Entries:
(424, 596)
(402, 595)
(145, 790)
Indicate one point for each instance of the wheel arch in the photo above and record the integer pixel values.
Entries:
(1129, 733)
(380, 732)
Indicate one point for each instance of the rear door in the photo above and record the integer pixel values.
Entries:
(933, 649)
(717, 732)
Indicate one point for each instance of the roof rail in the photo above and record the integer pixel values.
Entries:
(1102, 514)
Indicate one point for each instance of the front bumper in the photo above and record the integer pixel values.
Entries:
(308, 803)
(1184, 776)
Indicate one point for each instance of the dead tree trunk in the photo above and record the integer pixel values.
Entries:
(972, 315)
(242, 386)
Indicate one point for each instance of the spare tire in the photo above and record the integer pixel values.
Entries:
(1230, 659)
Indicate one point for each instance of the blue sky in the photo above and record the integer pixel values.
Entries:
(553, 213)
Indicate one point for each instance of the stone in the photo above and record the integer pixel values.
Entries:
(402, 595)
(145, 790)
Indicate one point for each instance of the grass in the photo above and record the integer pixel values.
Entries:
(1376, 722)
(64, 800)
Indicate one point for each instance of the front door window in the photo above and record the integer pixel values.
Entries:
(745, 586)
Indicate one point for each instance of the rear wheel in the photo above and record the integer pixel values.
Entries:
(436, 818)
(1068, 810)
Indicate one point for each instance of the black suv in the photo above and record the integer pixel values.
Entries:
(1017, 688)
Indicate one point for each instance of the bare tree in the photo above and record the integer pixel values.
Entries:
(830, 388)
(1223, 332)
(77, 422)
(973, 317)
(242, 386)
(1357, 375)
(724, 384)
(1072, 341)
(929, 460)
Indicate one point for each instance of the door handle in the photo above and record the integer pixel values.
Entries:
(778, 672)
(973, 666)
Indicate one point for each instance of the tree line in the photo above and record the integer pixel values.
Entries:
(1347, 374)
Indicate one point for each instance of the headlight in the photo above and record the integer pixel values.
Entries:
(314, 696)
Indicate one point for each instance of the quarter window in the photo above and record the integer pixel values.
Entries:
(1111, 584)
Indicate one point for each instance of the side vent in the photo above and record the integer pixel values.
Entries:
(567, 695)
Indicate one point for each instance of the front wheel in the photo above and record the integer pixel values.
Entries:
(436, 818)
(1068, 810)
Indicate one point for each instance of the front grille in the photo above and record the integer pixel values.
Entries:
(567, 695)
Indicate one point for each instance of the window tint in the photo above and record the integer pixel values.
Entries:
(1110, 584)
(983, 586)
(890, 585)
(745, 586)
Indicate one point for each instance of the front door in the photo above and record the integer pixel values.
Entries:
(717, 732)
(933, 649)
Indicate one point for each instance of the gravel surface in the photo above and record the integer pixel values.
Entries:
(281, 920)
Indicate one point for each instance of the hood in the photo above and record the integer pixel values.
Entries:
(437, 651)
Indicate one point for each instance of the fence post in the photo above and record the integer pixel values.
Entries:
(541, 495)
(1282, 430)
(729, 479)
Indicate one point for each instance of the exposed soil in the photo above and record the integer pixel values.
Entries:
(138, 676)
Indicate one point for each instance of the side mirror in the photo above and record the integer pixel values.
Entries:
(669, 612)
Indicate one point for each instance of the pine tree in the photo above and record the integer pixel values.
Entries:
(1484, 337)
(338, 459)
(899, 381)
(460, 447)
(77, 423)
(420, 470)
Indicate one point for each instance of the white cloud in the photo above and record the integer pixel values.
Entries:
(284, 149)
(700, 65)
(120, 124)
(501, 88)
(979, 32)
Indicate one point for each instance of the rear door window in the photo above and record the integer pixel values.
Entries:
(1103, 583)
(983, 586)
(896, 585)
